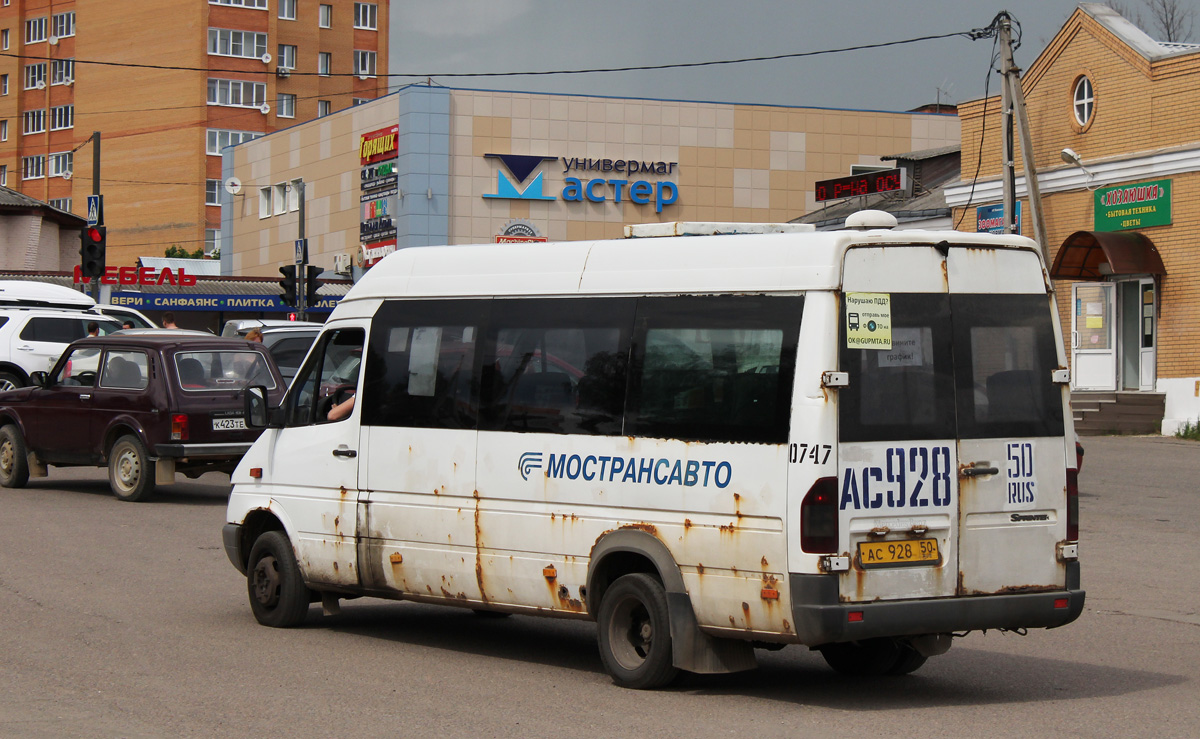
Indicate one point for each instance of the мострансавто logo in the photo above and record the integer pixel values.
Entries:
(618, 188)
(644, 470)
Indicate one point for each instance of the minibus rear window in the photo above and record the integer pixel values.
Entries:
(1004, 354)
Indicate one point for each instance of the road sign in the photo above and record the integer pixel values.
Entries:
(95, 210)
(301, 251)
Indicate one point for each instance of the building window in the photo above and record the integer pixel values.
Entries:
(212, 192)
(4, 130)
(237, 93)
(264, 202)
(62, 163)
(287, 10)
(35, 121)
(35, 76)
(218, 139)
(4, 175)
(4, 39)
(285, 105)
(63, 204)
(324, 62)
(280, 199)
(63, 24)
(62, 116)
(294, 195)
(360, 101)
(35, 30)
(223, 42)
(326, 17)
(261, 4)
(287, 56)
(33, 168)
(62, 71)
(1085, 101)
(364, 63)
(212, 242)
(3, 84)
(323, 108)
(366, 15)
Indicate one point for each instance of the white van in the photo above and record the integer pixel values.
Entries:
(856, 441)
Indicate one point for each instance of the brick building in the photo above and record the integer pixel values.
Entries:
(216, 72)
(1118, 160)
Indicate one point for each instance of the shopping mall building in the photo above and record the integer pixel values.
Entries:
(435, 165)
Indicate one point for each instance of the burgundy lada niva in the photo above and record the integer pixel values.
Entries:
(147, 406)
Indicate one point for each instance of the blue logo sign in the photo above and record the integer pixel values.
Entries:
(521, 166)
(990, 219)
(529, 462)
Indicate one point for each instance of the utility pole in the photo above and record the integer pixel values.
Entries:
(1012, 103)
(96, 191)
(302, 259)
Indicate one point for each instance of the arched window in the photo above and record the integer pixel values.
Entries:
(1084, 100)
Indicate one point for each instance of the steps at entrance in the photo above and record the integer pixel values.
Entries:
(1100, 413)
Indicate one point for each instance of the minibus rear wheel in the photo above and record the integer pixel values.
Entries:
(278, 595)
(635, 633)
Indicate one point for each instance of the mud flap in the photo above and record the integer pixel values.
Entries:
(695, 651)
(164, 471)
(37, 468)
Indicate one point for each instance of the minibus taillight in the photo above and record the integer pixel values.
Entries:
(819, 518)
(1072, 505)
(179, 427)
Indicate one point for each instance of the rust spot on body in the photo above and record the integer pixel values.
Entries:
(700, 568)
(687, 524)
(648, 528)
(342, 491)
(764, 561)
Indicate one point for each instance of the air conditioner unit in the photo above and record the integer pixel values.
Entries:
(341, 264)
(283, 72)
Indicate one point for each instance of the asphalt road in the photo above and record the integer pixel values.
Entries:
(121, 619)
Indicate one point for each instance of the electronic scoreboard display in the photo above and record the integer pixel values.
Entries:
(868, 183)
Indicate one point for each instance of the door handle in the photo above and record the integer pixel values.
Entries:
(85, 397)
(1074, 339)
(350, 453)
(975, 471)
(25, 348)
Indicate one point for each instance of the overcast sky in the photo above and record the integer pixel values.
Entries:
(444, 36)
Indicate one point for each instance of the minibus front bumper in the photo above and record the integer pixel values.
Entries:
(821, 618)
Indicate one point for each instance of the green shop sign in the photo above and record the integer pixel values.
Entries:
(1142, 205)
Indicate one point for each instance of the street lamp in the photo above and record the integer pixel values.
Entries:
(1070, 157)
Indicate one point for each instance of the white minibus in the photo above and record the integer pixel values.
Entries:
(858, 441)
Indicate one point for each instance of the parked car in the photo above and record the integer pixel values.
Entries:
(36, 294)
(147, 406)
(288, 341)
(32, 339)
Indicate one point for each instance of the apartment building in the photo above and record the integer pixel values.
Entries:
(169, 84)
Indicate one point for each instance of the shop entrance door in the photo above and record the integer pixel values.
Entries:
(1136, 342)
(1093, 336)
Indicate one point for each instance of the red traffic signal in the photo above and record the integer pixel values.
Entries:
(91, 250)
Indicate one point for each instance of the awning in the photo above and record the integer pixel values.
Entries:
(1094, 255)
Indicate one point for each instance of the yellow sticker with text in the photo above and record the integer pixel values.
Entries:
(869, 321)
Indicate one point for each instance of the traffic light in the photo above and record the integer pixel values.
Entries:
(288, 284)
(310, 285)
(91, 250)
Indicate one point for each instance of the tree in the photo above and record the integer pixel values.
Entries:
(175, 251)
(1172, 21)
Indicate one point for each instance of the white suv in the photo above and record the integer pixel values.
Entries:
(32, 339)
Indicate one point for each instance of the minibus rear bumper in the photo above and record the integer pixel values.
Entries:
(820, 617)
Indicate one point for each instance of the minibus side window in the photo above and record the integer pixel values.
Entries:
(1004, 353)
(906, 391)
(422, 363)
(328, 378)
(556, 366)
(717, 369)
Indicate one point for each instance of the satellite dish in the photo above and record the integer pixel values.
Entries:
(265, 108)
(53, 40)
(363, 77)
(67, 175)
(266, 58)
(41, 85)
(233, 186)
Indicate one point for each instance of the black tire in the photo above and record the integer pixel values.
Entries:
(910, 660)
(866, 658)
(14, 462)
(278, 595)
(130, 472)
(635, 633)
(10, 381)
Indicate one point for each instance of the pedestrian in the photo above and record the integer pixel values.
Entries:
(255, 334)
(93, 328)
(127, 324)
(168, 320)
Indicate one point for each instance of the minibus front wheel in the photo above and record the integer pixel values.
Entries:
(278, 595)
(635, 633)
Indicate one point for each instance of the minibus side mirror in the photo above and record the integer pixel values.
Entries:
(257, 410)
